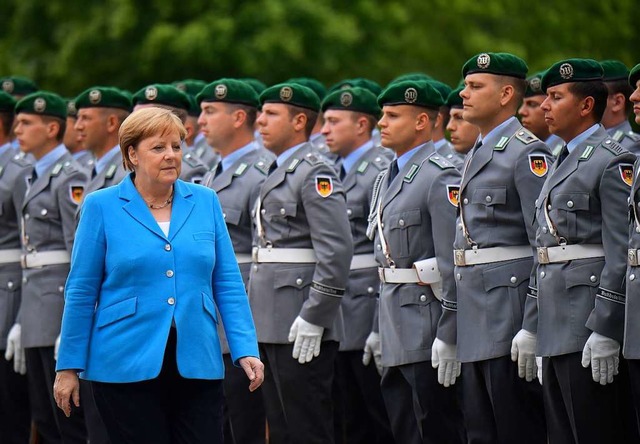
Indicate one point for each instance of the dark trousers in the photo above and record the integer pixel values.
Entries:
(96, 430)
(500, 407)
(361, 417)
(582, 411)
(52, 425)
(420, 409)
(244, 419)
(298, 396)
(169, 409)
(634, 380)
(15, 419)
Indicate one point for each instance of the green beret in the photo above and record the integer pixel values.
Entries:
(190, 86)
(18, 86)
(256, 84)
(43, 103)
(293, 94)
(7, 102)
(453, 99)
(534, 85)
(352, 99)
(229, 91)
(313, 84)
(358, 82)
(411, 92)
(570, 71)
(634, 76)
(498, 63)
(72, 111)
(161, 94)
(614, 70)
(411, 76)
(194, 108)
(103, 97)
(442, 88)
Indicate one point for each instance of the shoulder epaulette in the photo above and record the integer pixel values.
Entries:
(21, 159)
(111, 171)
(613, 147)
(313, 158)
(440, 161)
(190, 160)
(525, 136)
(263, 166)
(68, 167)
(380, 162)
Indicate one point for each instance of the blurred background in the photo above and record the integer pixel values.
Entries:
(67, 46)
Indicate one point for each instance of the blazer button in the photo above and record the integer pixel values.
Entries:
(167, 247)
(24, 280)
(638, 229)
(632, 277)
(593, 278)
(299, 281)
(423, 298)
(171, 301)
(169, 273)
(263, 211)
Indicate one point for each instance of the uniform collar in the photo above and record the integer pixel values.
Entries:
(105, 160)
(440, 143)
(493, 134)
(572, 144)
(282, 158)
(402, 160)
(625, 127)
(229, 160)
(6, 147)
(349, 161)
(49, 159)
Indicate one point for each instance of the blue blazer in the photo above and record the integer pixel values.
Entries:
(128, 282)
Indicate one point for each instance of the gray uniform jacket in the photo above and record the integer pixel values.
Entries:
(205, 153)
(193, 169)
(586, 198)
(500, 183)
(295, 215)
(448, 152)
(624, 135)
(86, 159)
(418, 222)
(14, 169)
(631, 348)
(237, 188)
(361, 296)
(48, 215)
(111, 175)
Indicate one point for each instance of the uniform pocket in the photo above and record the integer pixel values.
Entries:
(232, 216)
(571, 214)
(489, 198)
(582, 282)
(418, 317)
(404, 233)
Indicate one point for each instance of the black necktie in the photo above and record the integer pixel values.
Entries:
(273, 167)
(393, 170)
(343, 172)
(564, 152)
(218, 170)
(34, 177)
(94, 173)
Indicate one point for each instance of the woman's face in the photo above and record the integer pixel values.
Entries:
(158, 159)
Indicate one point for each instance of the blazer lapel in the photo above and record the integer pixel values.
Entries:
(182, 207)
(135, 206)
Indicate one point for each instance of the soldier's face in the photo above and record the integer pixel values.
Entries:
(71, 138)
(532, 116)
(398, 127)
(562, 111)
(635, 99)
(32, 133)
(340, 130)
(158, 159)
(91, 126)
(480, 97)
(276, 126)
(463, 134)
(216, 123)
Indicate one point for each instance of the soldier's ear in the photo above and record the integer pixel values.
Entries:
(506, 94)
(587, 105)
(422, 121)
(299, 122)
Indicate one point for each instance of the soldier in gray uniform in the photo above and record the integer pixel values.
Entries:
(72, 140)
(582, 242)
(170, 97)
(15, 419)
(532, 117)
(501, 179)
(631, 348)
(47, 227)
(101, 111)
(463, 134)
(443, 146)
(229, 109)
(350, 115)
(301, 259)
(616, 117)
(413, 221)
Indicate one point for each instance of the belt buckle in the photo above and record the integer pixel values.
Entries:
(543, 255)
(23, 261)
(254, 254)
(381, 274)
(459, 258)
(632, 257)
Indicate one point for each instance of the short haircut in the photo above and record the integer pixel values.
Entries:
(621, 87)
(62, 125)
(444, 111)
(595, 89)
(519, 87)
(311, 115)
(372, 122)
(250, 111)
(7, 118)
(145, 123)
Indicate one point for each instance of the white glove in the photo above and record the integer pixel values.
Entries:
(523, 350)
(56, 346)
(603, 355)
(539, 364)
(15, 350)
(373, 348)
(443, 357)
(307, 337)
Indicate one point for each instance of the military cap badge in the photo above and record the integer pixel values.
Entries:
(346, 99)
(71, 108)
(8, 86)
(484, 60)
(410, 95)
(221, 91)
(535, 84)
(95, 96)
(286, 93)
(39, 105)
(181, 86)
(151, 93)
(566, 71)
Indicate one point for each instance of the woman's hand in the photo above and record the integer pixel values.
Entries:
(254, 368)
(65, 387)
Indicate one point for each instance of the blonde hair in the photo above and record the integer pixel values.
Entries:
(145, 123)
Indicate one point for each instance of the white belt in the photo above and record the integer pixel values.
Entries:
(566, 253)
(361, 261)
(424, 272)
(10, 256)
(42, 258)
(284, 255)
(632, 257)
(243, 258)
(464, 258)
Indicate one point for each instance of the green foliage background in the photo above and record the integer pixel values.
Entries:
(67, 46)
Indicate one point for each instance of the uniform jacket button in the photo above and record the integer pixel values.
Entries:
(542, 274)
(169, 273)
(488, 198)
(27, 216)
(24, 280)
(570, 203)
(465, 201)
(282, 211)
(43, 212)
(370, 290)
(401, 222)
(544, 229)
(349, 212)
(459, 276)
(224, 215)
(513, 279)
(61, 289)
(263, 211)
(423, 298)
(593, 278)
(171, 301)
(10, 285)
(299, 281)
(167, 247)
(632, 277)
(548, 207)
(379, 247)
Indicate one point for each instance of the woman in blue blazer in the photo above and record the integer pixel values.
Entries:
(152, 260)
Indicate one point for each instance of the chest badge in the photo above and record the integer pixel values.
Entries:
(538, 164)
(324, 186)
(626, 173)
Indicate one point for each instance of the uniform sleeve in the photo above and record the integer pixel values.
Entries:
(83, 287)
(528, 186)
(68, 206)
(443, 223)
(230, 294)
(607, 316)
(333, 245)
